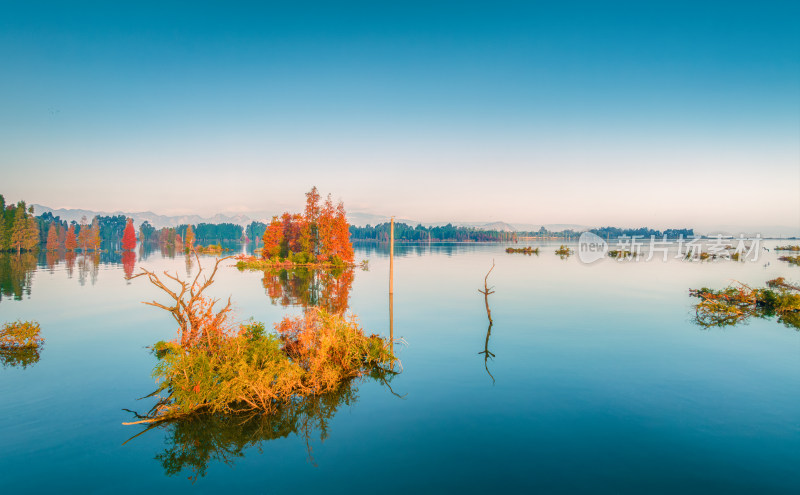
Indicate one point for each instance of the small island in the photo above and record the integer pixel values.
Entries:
(317, 238)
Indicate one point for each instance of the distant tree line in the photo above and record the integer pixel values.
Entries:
(449, 232)
(644, 232)
(201, 233)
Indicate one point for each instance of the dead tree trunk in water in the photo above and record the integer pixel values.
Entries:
(486, 291)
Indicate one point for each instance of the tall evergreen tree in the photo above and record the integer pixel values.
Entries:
(31, 242)
(2, 223)
(18, 230)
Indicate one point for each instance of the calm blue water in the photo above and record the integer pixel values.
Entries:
(599, 383)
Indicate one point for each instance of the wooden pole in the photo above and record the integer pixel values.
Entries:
(391, 258)
(391, 323)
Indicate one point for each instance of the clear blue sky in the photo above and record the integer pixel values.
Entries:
(627, 113)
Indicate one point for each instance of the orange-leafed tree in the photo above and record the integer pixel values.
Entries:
(325, 227)
(83, 235)
(189, 238)
(342, 247)
(94, 235)
(70, 242)
(273, 236)
(129, 236)
(52, 237)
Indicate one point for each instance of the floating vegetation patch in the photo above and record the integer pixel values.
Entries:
(737, 304)
(218, 367)
(619, 253)
(702, 256)
(526, 250)
(787, 248)
(792, 260)
(564, 251)
(20, 343)
(210, 249)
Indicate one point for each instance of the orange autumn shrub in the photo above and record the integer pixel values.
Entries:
(330, 348)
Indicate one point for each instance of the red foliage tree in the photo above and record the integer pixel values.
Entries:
(129, 236)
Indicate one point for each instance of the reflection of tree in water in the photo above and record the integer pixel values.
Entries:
(20, 357)
(88, 265)
(195, 442)
(16, 274)
(52, 258)
(128, 263)
(70, 257)
(189, 264)
(328, 289)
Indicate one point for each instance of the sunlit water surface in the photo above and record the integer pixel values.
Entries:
(600, 382)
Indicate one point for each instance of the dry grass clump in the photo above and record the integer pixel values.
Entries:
(20, 343)
(792, 260)
(787, 248)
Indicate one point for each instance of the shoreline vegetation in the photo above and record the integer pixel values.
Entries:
(245, 262)
(740, 302)
(452, 233)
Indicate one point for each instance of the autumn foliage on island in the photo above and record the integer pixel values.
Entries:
(320, 234)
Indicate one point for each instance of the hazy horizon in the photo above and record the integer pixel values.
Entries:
(660, 114)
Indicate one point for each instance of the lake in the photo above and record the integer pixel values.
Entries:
(598, 381)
